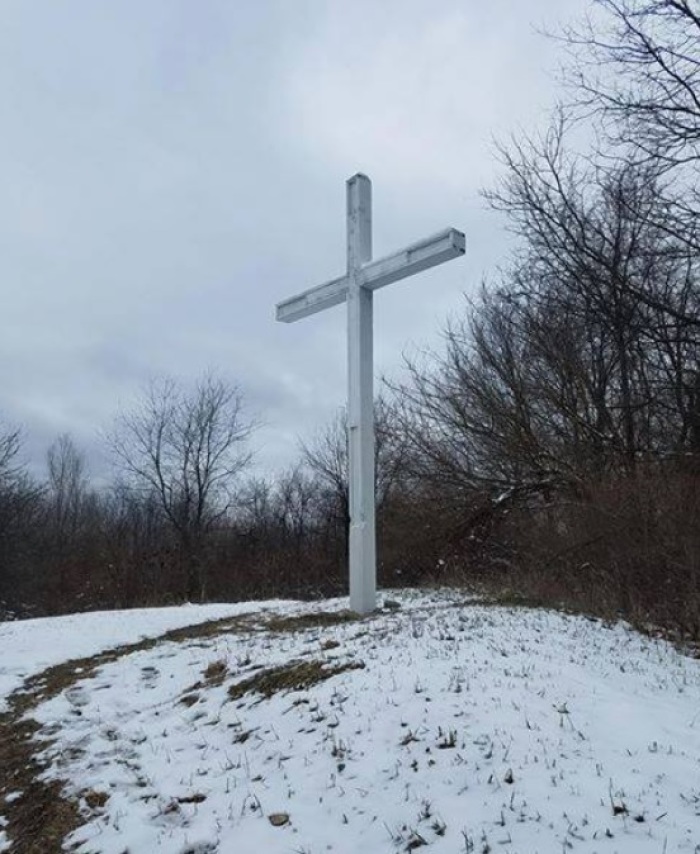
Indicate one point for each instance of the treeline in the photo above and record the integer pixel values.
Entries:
(550, 447)
(186, 519)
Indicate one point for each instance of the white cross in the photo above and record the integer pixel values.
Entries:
(356, 287)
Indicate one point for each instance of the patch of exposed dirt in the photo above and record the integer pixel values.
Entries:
(42, 815)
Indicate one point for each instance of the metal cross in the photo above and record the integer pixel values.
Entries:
(356, 287)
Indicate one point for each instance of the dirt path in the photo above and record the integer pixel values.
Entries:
(39, 814)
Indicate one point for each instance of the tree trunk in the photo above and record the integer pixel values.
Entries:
(194, 569)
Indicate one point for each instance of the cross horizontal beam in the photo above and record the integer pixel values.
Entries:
(315, 299)
(421, 255)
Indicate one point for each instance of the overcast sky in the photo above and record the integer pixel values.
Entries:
(170, 169)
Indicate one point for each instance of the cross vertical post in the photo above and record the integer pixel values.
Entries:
(362, 277)
(362, 534)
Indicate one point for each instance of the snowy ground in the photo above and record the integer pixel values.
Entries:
(460, 728)
(29, 646)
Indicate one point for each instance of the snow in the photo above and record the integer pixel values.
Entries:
(461, 728)
(30, 646)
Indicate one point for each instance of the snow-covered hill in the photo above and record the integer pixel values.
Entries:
(446, 725)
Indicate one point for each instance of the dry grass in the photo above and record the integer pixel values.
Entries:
(95, 800)
(215, 673)
(317, 620)
(295, 676)
(625, 546)
(41, 817)
(509, 597)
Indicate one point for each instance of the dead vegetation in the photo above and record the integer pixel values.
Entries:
(95, 800)
(40, 818)
(295, 676)
(42, 815)
(215, 673)
(315, 620)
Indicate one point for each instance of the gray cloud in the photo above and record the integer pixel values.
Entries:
(172, 169)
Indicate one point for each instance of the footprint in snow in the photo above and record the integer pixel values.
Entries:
(77, 696)
(149, 676)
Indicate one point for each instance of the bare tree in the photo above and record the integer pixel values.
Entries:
(296, 501)
(583, 360)
(637, 62)
(327, 457)
(10, 444)
(634, 70)
(596, 250)
(186, 448)
(68, 484)
(20, 503)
